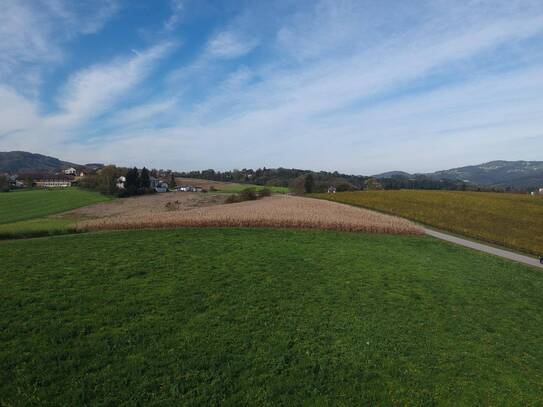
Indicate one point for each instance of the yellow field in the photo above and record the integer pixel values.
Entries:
(511, 220)
(275, 211)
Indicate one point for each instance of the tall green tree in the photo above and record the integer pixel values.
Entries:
(145, 181)
(309, 183)
(4, 184)
(172, 184)
(106, 180)
(132, 181)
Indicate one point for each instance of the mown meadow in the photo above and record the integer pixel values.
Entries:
(237, 317)
(511, 220)
(26, 213)
(236, 188)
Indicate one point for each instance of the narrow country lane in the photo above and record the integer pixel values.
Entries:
(506, 254)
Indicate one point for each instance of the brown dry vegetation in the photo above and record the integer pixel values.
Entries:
(275, 211)
(147, 205)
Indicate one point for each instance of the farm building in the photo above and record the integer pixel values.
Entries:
(54, 182)
(158, 185)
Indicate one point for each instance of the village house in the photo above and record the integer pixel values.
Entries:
(12, 180)
(70, 171)
(120, 182)
(158, 185)
(332, 189)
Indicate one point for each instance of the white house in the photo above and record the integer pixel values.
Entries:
(120, 182)
(70, 171)
(540, 191)
(158, 185)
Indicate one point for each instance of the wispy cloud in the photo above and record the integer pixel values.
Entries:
(228, 44)
(88, 94)
(32, 34)
(141, 114)
(93, 91)
(177, 7)
(359, 87)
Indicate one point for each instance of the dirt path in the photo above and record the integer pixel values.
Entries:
(506, 254)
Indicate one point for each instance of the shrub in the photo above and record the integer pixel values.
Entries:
(248, 194)
(233, 199)
(264, 192)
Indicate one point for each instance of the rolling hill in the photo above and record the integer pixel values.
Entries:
(21, 161)
(515, 174)
(518, 174)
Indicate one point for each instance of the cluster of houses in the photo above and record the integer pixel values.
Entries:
(62, 179)
(68, 177)
(161, 186)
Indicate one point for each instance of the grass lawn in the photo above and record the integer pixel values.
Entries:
(511, 220)
(236, 188)
(36, 203)
(24, 213)
(36, 227)
(265, 317)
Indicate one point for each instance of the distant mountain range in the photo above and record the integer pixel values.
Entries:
(24, 162)
(516, 174)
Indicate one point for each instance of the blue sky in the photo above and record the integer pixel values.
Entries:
(355, 86)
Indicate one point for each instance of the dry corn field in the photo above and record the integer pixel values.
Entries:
(275, 211)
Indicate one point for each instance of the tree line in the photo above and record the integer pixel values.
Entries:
(108, 181)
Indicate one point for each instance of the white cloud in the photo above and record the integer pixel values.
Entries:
(141, 114)
(177, 7)
(16, 113)
(32, 34)
(340, 85)
(87, 95)
(95, 90)
(228, 44)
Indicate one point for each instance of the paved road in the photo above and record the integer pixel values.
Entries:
(506, 254)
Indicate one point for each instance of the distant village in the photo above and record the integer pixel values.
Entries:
(75, 177)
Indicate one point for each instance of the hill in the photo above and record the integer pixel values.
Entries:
(393, 174)
(504, 174)
(22, 161)
(516, 174)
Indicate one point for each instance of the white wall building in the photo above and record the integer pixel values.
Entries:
(53, 183)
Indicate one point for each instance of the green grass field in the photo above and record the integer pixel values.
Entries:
(25, 213)
(36, 203)
(237, 188)
(511, 220)
(238, 317)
